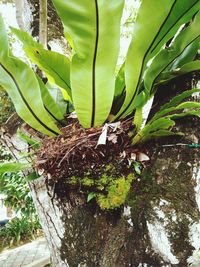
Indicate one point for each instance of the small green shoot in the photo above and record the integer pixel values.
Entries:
(137, 167)
(90, 196)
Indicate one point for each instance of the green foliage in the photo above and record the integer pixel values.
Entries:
(149, 36)
(91, 195)
(18, 197)
(40, 57)
(109, 192)
(117, 192)
(166, 57)
(15, 187)
(159, 51)
(16, 77)
(6, 1)
(89, 79)
(137, 167)
(13, 167)
(31, 141)
(18, 230)
(4, 155)
(93, 64)
(6, 106)
(17, 194)
(162, 122)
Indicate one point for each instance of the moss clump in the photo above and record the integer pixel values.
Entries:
(117, 192)
(73, 180)
(87, 182)
(109, 192)
(103, 182)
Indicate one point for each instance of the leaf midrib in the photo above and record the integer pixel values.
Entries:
(152, 51)
(143, 60)
(25, 101)
(94, 65)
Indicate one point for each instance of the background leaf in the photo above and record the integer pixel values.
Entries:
(167, 56)
(13, 167)
(55, 66)
(28, 103)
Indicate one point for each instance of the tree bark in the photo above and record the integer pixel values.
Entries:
(158, 226)
(19, 13)
(43, 23)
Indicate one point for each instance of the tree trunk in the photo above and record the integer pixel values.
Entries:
(158, 226)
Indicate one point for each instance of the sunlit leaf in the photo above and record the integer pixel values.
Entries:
(96, 38)
(14, 167)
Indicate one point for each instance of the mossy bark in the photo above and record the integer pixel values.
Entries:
(157, 226)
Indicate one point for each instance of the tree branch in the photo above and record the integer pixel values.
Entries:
(43, 23)
(19, 14)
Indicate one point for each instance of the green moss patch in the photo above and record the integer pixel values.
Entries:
(109, 192)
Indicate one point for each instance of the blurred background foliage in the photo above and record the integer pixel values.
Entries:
(6, 106)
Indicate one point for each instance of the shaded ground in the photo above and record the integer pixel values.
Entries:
(24, 255)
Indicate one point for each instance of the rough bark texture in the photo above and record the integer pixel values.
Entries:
(158, 225)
